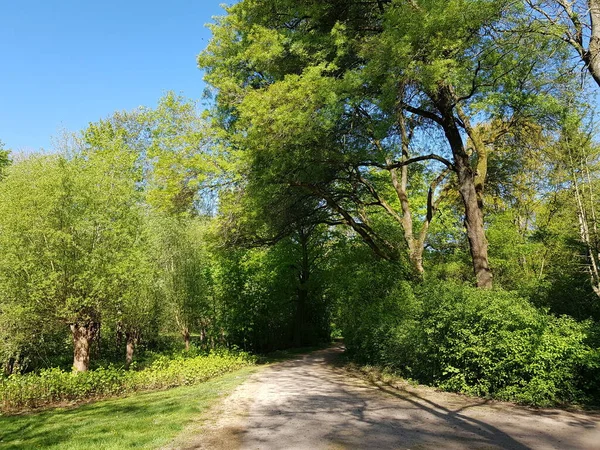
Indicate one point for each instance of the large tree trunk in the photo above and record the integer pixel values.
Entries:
(83, 334)
(9, 366)
(478, 244)
(593, 53)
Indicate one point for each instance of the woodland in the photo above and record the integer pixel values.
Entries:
(418, 177)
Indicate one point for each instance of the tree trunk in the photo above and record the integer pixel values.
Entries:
(299, 316)
(303, 277)
(203, 335)
(415, 246)
(9, 366)
(82, 333)
(593, 53)
(478, 244)
(130, 348)
(186, 339)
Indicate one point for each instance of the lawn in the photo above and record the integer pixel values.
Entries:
(145, 420)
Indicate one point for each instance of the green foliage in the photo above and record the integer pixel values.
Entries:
(183, 272)
(261, 295)
(4, 159)
(488, 343)
(55, 386)
(71, 234)
(256, 225)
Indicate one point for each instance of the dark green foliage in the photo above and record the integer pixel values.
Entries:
(487, 343)
(265, 304)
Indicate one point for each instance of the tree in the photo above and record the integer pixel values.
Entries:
(70, 225)
(171, 147)
(326, 95)
(4, 159)
(576, 157)
(576, 22)
(184, 279)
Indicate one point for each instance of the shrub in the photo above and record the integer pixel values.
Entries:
(52, 386)
(490, 343)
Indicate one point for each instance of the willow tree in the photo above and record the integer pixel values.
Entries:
(337, 98)
(70, 228)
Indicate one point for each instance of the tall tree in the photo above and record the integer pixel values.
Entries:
(577, 156)
(319, 94)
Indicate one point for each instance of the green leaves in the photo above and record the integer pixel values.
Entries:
(4, 159)
(71, 226)
(54, 386)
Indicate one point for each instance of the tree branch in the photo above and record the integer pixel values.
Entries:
(422, 113)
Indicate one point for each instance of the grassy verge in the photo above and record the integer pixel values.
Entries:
(143, 420)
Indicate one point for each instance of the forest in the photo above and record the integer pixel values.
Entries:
(420, 178)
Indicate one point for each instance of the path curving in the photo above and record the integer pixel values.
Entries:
(308, 403)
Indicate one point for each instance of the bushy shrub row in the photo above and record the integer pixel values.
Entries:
(54, 386)
(487, 343)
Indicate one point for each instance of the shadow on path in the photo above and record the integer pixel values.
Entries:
(309, 403)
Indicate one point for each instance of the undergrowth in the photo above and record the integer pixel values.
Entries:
(55, 386)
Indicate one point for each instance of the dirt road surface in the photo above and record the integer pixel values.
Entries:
(308, 403)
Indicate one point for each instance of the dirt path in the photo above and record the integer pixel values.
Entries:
(309, 404)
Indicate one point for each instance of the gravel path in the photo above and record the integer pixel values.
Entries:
(308, 403)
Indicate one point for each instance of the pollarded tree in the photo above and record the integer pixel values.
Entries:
(69, 225)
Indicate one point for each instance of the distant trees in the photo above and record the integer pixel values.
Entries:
(107, 240)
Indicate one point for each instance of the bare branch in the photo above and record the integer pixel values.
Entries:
(422, 113)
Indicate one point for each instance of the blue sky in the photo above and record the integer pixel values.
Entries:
(65, 63)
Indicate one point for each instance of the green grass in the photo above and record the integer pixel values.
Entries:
(146, 420)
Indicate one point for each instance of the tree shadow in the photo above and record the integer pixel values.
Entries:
(310, 403)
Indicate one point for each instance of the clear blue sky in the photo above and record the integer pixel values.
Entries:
(65, 63)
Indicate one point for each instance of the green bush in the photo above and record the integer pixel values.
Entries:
(53, 386)
(487, 343)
